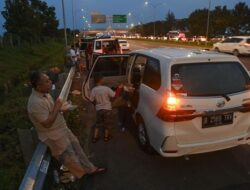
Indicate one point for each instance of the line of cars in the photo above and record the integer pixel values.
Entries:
(93, 47)
(236, 45)
(185, 101)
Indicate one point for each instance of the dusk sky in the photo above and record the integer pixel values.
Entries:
(139, 12)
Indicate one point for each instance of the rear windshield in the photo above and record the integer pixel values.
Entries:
(209, 79)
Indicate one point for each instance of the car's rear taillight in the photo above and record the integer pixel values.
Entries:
(246, 107)
(170, 102)
(169, 110)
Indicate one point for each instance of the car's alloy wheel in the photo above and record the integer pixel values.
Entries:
(143, 138)
(142, 134)
(236, 52)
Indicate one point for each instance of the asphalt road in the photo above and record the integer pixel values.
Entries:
(129, 168)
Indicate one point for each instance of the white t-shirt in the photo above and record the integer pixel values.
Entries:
(102, 95)
(73, 54)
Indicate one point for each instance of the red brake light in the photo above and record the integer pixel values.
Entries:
(246, 104)
(170, 102)
(169, 110)
(247, 45)
(246, 107)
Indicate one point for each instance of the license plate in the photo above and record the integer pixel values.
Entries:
(217, 120)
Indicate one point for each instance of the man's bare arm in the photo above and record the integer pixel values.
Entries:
(52, 116)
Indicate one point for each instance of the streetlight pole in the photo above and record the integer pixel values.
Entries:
(64, 23)
(208, 17)
(133, 18)
(83, 17)
(154, 6)
(73, 21)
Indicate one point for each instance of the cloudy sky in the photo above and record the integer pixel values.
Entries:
(155, 10)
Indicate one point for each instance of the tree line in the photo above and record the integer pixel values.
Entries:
(34, 21)
(29, 20)
(223, 21)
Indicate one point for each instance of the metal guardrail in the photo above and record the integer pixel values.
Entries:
(66, 87)
(38, 167)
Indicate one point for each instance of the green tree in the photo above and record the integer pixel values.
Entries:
(45, 18)
(198, 22)
(16, 16)
(29, 20)
(170, 21)
(240, 20)
(182, 24)
(219, 20)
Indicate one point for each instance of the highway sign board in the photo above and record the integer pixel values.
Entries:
(98, 18)
(119, 18)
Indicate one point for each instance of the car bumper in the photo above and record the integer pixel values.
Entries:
(245, 52)
(170, 148)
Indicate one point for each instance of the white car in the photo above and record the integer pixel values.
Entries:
(124, 44)
(185, 101)
(104, 46)
(236, 45)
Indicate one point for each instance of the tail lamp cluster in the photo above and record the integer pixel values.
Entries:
(169, 110)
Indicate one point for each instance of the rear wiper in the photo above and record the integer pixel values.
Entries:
(222, 95)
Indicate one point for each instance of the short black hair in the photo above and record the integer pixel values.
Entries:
(35, 77)
(97, 78)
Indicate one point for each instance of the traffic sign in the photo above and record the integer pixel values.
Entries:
(98, 18)
(119, 18)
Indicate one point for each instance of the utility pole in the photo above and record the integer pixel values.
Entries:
(208, 17)
(73, 21)
(64, 23)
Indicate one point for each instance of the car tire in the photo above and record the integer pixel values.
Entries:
(142, 137)
(236, 52)
(216, 49)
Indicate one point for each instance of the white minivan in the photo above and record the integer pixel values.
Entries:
(123, 44)
(107, 46)
(237, 45)
(185, 101)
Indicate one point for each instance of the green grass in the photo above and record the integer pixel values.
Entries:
(199, 45)
(15, 65)
(18, 61)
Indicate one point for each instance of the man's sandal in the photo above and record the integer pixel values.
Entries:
(95, 139)
(106, 139)
(98, 170)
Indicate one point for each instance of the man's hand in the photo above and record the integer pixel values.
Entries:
(58, 104)
(52, 116)
(121, 86)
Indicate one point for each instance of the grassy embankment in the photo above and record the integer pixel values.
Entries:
(15, 64)
(189, 44)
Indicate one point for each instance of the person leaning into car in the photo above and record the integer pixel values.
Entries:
(52, 128)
